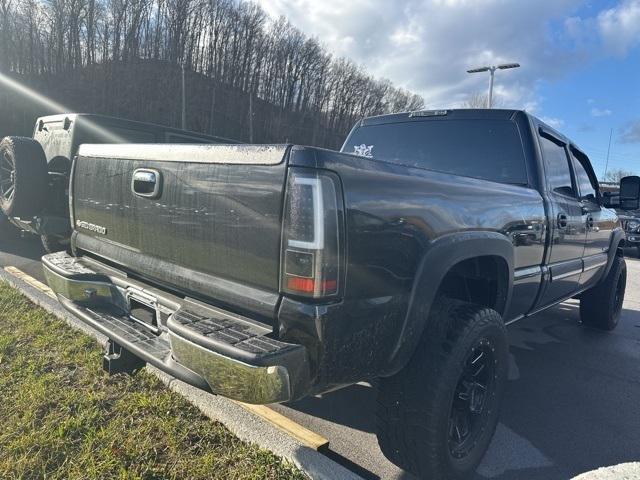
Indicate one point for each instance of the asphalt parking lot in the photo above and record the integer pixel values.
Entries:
(571, 405)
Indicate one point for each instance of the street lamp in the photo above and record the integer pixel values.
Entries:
(492, 70)
(184, 102)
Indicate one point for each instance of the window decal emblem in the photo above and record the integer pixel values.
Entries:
(363, 150)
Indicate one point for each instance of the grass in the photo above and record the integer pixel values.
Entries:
(61, 417)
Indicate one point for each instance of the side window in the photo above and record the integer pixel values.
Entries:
(557, 167)
(178, 138)
(585, 185)
(134, 136)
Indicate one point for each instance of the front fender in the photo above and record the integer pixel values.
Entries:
(441, 256)
(618, 237)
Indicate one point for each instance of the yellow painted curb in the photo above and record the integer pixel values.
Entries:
(16, 272)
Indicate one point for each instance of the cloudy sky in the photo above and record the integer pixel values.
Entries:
(580, 59)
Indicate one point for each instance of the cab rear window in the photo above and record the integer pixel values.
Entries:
(486, 149)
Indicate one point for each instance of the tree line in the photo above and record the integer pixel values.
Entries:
(283, 83)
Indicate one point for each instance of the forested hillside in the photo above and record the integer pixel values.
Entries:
(248, 76)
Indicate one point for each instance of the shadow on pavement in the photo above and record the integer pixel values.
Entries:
(27, 246)
(345, 407)
(570, 407)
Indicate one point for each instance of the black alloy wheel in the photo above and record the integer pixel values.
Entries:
(7, 177)
(473, 399)
(618, 300)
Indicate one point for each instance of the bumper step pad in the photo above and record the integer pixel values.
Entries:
(213, 333)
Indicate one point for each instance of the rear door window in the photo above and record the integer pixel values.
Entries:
(557, 167)
(487, 149)
(585, 184)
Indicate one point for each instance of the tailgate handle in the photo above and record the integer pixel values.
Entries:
(146, 183)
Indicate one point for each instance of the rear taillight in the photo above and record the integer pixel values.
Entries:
(311, 235)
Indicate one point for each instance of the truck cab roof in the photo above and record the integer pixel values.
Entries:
(441, 114)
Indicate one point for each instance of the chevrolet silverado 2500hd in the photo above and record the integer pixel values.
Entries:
(268, 273)
(34, 172)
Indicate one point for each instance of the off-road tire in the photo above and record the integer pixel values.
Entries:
(22, 193)
(601, 306)
(415, 406)
(53, 244)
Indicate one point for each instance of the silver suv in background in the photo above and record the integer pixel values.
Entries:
(631, 225)
(34, 172)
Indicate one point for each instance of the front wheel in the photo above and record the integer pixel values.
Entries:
(601, 306)
(436, 417)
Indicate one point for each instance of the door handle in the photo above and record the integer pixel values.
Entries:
(146, 182)
(563, 221)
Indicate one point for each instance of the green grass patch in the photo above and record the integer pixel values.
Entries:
(62, 417)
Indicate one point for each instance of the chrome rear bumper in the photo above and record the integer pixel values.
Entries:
(209, 348)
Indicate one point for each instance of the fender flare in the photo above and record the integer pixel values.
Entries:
(441, 256)
(618, 237)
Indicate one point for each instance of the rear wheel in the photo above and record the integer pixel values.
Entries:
(23, 177)
(437, 416)
(601, 306)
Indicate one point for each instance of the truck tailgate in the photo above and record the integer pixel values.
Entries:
(204, 220)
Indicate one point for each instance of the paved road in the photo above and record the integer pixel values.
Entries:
(572, 405)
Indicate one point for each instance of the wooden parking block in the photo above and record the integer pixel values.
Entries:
(297, 431)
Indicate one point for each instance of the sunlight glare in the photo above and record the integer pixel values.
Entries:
(57, 107)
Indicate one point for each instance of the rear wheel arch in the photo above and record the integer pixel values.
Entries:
(482, 280)
(444, 256)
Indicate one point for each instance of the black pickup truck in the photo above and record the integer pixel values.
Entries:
(268, 273)
(34, 172)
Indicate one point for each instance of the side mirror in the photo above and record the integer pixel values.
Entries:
(630, 193)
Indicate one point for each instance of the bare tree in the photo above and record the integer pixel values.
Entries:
(614, 176)
(236, 57)
(5, 33)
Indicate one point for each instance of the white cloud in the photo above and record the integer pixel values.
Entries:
(630, 133)
(619, 27)
(427, 45)
(597, 112)
(613, 31)
(553, 122)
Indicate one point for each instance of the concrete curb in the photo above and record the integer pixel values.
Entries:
(245, 425)
(623, 471)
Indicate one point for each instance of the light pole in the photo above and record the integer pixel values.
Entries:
(184, 102)
(492, 70)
